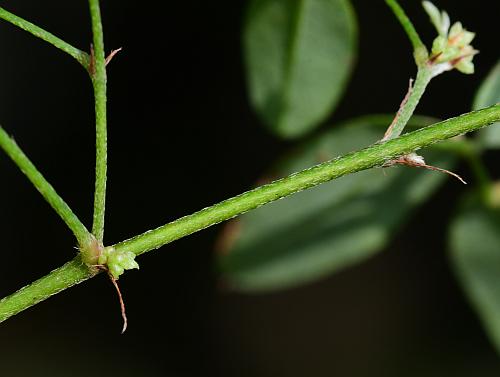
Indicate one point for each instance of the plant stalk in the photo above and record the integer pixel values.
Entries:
(75, 272)
(66, 276)
(98, 75)
(375, 155)
(81, 56)
(419, 50)
(45, 188)
(424, 76)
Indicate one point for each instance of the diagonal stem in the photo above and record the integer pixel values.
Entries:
(409, 104)
(375, 155)
(75, 272)
(45, 188)
(98, 75)
(419, 50)
(66, 276)
(81, 56)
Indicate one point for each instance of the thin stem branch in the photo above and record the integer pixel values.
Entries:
(45, 188)
(410, 102)
(75, 272)
(98, 75)
(419, 49)
(81, 56)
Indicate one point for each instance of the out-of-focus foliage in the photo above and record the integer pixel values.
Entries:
(489, 94)
(298, 54)
(322, 230)
(475, 252)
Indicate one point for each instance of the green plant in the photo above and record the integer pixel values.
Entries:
(94, 257)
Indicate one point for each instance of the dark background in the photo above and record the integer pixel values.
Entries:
(182, 136)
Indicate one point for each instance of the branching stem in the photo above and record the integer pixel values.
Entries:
(81, 56)
(424, 76)
(75, 272)
(45, 188)
(419, 50)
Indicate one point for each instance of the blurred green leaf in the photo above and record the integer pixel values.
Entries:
(475, 253)
(489, 94)
(322, 230)
(299, 54)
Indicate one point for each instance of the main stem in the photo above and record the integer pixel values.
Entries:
(66, 276)
(376, 155)
(98, 74)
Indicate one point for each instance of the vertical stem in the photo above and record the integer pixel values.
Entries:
(98, 74)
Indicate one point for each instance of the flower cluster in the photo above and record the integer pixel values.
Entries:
(451, 48)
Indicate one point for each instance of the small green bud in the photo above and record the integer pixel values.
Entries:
(434, 14)
(455, 30)
(439, 19)
(118, 261)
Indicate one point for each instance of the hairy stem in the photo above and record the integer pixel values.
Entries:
(424, 76)
(419, 50)
(66, 276)
(45, 188)
(81, 56)
(98, 74)
(375, 155)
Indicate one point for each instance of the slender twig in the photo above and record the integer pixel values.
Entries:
(45, 188)
(409, 104)
(81, 56)
(419, 49)
(376, 155)
(390, 130)
(98, 75)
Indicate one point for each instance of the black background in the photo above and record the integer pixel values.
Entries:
(182, 136)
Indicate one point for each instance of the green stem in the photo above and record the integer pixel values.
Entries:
(419, 50)
(375, 155)
(45, 188)
(99, 83)
(81, 56)
(424, 76)
(66, 276)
